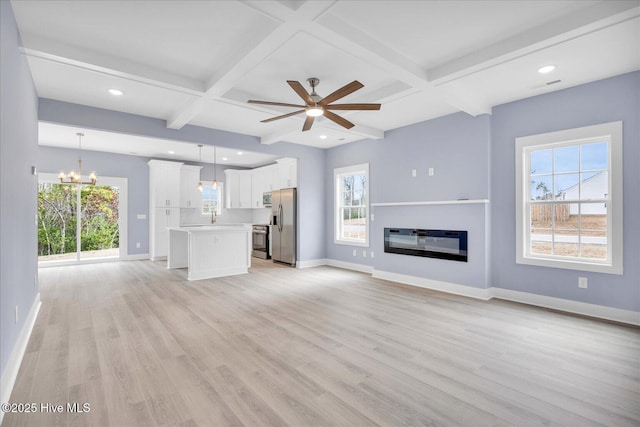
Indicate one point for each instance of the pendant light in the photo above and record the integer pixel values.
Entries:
(76, 178)
(215, 180)
(200, 172)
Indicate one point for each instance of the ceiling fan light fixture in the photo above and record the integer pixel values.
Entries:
(314, 111)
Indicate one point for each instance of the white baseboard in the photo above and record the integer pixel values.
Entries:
(350, 266)
(576, 307)
(451, 288)
(569, 306)
(312, 263)
(15, 358)
(137, 257)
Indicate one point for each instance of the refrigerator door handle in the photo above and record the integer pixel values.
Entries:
(280, 214)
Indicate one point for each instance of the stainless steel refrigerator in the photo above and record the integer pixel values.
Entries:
(283, 230)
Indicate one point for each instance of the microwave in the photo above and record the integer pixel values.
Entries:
(266, 200)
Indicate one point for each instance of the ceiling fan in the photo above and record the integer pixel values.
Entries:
(315, 105)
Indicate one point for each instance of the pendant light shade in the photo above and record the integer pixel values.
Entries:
(215, 180)
(200, 173)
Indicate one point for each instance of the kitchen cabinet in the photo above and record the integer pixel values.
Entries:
(287, 173)
(262, 181)
(164, 183)
(189, 194)
(238, 189)
(159, 220)
(210, 251)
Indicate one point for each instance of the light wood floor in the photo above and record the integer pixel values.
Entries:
(312, 347)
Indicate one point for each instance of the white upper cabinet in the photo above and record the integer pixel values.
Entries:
(189, 194)
(164, 183)
(263, 180)
(238, 189)
(287, 173)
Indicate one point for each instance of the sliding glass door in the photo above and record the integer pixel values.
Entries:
(78, 222)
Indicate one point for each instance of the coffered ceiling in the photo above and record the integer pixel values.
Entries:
(198, 62)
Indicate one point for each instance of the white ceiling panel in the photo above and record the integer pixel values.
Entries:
(182, 37)
(198, 62)
(68, 83)
(606, 53)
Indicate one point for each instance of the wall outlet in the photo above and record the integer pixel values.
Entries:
(583, 282)
(364, 253)
(431, 172)
(137, 244)
(371, 254)
(371, 216)
(16, 314)
(355, 253)
(141, 216)
(414, 173)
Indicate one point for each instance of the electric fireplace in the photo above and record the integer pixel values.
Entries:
(442, 244)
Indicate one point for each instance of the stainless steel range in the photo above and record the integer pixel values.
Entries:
(260, 241)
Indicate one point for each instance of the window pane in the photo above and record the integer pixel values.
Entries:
(566, 229)
(57, 221)
(594, 217)
(541, 216)
(541, 162)
(99, 230)
(594, 156)
(541, 187)
(540, 246)
(567, 186)
(593, 244)
(595, 185)
(566, 249)
(565, 159)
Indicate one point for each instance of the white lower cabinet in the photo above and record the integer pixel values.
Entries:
(159, 237)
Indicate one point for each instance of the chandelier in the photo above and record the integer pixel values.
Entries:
(76, 178)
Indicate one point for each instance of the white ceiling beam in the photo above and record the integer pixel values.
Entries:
(228, 76)
(565, 28)
(87, 60)
(342, 35)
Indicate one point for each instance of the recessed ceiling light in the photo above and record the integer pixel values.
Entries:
(225, 158)
(323, 136)
(546, 69)
(116, 92)
(239, 153)
(171, 152)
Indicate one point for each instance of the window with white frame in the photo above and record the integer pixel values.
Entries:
(352, 205)
(569, 199)
(211, 200)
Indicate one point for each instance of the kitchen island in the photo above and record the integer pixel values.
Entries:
(210, 250)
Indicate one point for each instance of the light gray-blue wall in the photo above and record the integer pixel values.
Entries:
(474, 158)
(18, 187)
(311, 160)
(608, 100)
(457, 147)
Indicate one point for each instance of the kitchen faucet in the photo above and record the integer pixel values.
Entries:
(213, 217)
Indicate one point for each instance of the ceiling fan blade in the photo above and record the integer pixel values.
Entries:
(307, 123)
(341, 93)
(281, 104)
(353, 107)
(339, 120)
(301, 91)
(284, 116)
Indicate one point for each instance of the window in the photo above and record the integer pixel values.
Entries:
(211, 199)
(352, 205)
(569, 199)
